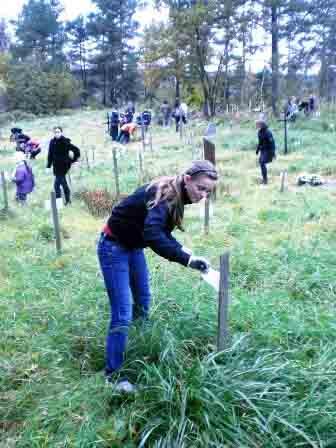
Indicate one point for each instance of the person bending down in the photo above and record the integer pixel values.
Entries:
(126, 131)
(146, 218)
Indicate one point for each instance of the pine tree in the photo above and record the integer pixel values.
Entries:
(113, 27)
(39, 33)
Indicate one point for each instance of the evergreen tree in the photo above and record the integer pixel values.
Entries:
(78, 38)
(4, 39)
(113, 27)
(39, 33)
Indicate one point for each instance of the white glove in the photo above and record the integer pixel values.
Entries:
(199, 263)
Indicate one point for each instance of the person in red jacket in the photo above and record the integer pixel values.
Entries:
(126, 131)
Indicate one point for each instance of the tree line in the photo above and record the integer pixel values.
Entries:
(204, 51)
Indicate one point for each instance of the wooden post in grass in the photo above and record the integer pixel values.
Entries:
(55, 219)
(141, 163)
(115, 171)
(207, 215)
(283, 180)
(150, 139)
(87, 159)
(143, 135)
(210, 154)
(223, 302)
(4, 190)
(93, 155)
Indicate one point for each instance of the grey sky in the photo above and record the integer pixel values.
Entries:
(72, 8)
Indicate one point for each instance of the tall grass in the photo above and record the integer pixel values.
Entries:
(274, 384)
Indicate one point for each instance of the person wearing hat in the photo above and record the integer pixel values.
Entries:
(146, 218)
(266, 147)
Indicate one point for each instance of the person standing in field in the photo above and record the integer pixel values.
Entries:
(23, 178)
(266, 148)
(146, 218)
(179, 115)
(62, 154)
(166, 113)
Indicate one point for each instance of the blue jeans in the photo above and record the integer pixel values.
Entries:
(126, 277)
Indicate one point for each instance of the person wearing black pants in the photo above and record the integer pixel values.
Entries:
(266, 148)
(62, 154)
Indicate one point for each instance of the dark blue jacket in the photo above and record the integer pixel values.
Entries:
(58, 155)
(266, 145)
(136, 226)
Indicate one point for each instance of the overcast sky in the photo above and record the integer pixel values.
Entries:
(9, 9)
(72, 8)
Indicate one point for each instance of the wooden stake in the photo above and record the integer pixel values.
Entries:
(55, 218)
(223, 302)
(115, 171)
(206, 215)
(4, 190)
(283, 180)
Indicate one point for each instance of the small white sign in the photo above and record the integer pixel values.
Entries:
(202, 209)
(59, 204)
(212, 278)
(7, 177)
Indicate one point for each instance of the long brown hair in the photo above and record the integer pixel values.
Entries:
(170, 189)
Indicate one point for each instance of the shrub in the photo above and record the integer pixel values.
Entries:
(63, 112)
(19, 114)
(46, 232)
(33, 90)
(99, 202)
(5, 118)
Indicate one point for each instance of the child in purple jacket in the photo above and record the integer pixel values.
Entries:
(23, 177)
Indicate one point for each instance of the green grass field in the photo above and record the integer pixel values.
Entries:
(274, 385)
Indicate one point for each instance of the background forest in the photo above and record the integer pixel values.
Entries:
(204, 52)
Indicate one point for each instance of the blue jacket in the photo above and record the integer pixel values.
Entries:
(136, 226)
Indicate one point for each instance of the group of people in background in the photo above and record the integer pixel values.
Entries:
(24, 143)
(122, 125)
(179, 113)
(61, 155)
(294, 106)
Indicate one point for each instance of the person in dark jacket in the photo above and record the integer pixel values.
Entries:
(62, 154)
(14, 133)
(23, 177)
(266, 148)
(114, 124)
(179, 115)
(146, 218)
